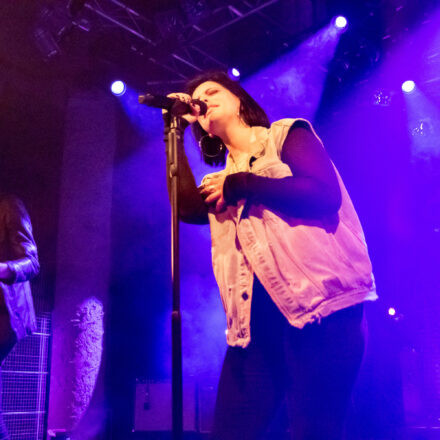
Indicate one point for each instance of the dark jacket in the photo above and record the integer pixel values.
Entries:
(19, 252)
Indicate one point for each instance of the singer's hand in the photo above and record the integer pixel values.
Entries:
(212, 189)
(191, 118)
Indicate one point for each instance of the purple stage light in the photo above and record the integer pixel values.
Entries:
(341, 22)
(408, 86)
(234, 73)
(118, 88)
(382, 98)
(296, 86)
(392, 311)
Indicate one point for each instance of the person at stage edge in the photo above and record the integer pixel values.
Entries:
(18, 264)
(291, 262)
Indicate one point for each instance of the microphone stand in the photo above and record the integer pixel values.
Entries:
(174, 127)
(173, 135)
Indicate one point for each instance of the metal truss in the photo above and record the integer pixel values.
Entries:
(227, 15)
(187, 58)
(120, 15)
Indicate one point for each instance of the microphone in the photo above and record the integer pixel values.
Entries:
(173, 105)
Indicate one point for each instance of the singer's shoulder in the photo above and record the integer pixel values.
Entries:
(280, 129)
(285, 122)
(284, 126)
(290, 122)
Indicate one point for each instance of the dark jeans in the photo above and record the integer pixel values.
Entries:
(313, 369)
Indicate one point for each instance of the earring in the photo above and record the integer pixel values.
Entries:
(211, 146)
(240, 113)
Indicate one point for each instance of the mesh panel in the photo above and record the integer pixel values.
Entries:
(24, 377)
(27, 426)
(23, 392)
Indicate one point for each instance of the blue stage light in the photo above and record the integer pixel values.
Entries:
(234, 73)
(118, 88)
(341, 22)
(408, 86)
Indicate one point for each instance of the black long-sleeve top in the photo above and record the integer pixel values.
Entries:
(311, 192)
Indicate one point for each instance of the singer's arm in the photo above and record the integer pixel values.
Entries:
(192, 208)
(312, 191)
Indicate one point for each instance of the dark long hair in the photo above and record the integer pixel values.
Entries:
(251, 113)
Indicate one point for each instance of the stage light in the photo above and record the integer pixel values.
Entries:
(382, 98)
(423, 128)
(118, 88)
(46, 43)
(234, 73)
(341, 22)
(392, 311)
(408, 86)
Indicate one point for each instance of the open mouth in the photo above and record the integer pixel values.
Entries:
(211, 107)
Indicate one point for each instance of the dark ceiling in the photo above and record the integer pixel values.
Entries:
(163, 42)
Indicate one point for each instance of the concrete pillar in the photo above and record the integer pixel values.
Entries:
(83, 266)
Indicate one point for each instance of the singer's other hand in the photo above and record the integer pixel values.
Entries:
(212, 191)
(190, 117)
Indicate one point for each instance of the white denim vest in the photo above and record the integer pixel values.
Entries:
(310, 268)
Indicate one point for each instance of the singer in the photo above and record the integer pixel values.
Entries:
(290, 260)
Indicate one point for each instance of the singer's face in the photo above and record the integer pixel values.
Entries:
(223, 106)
